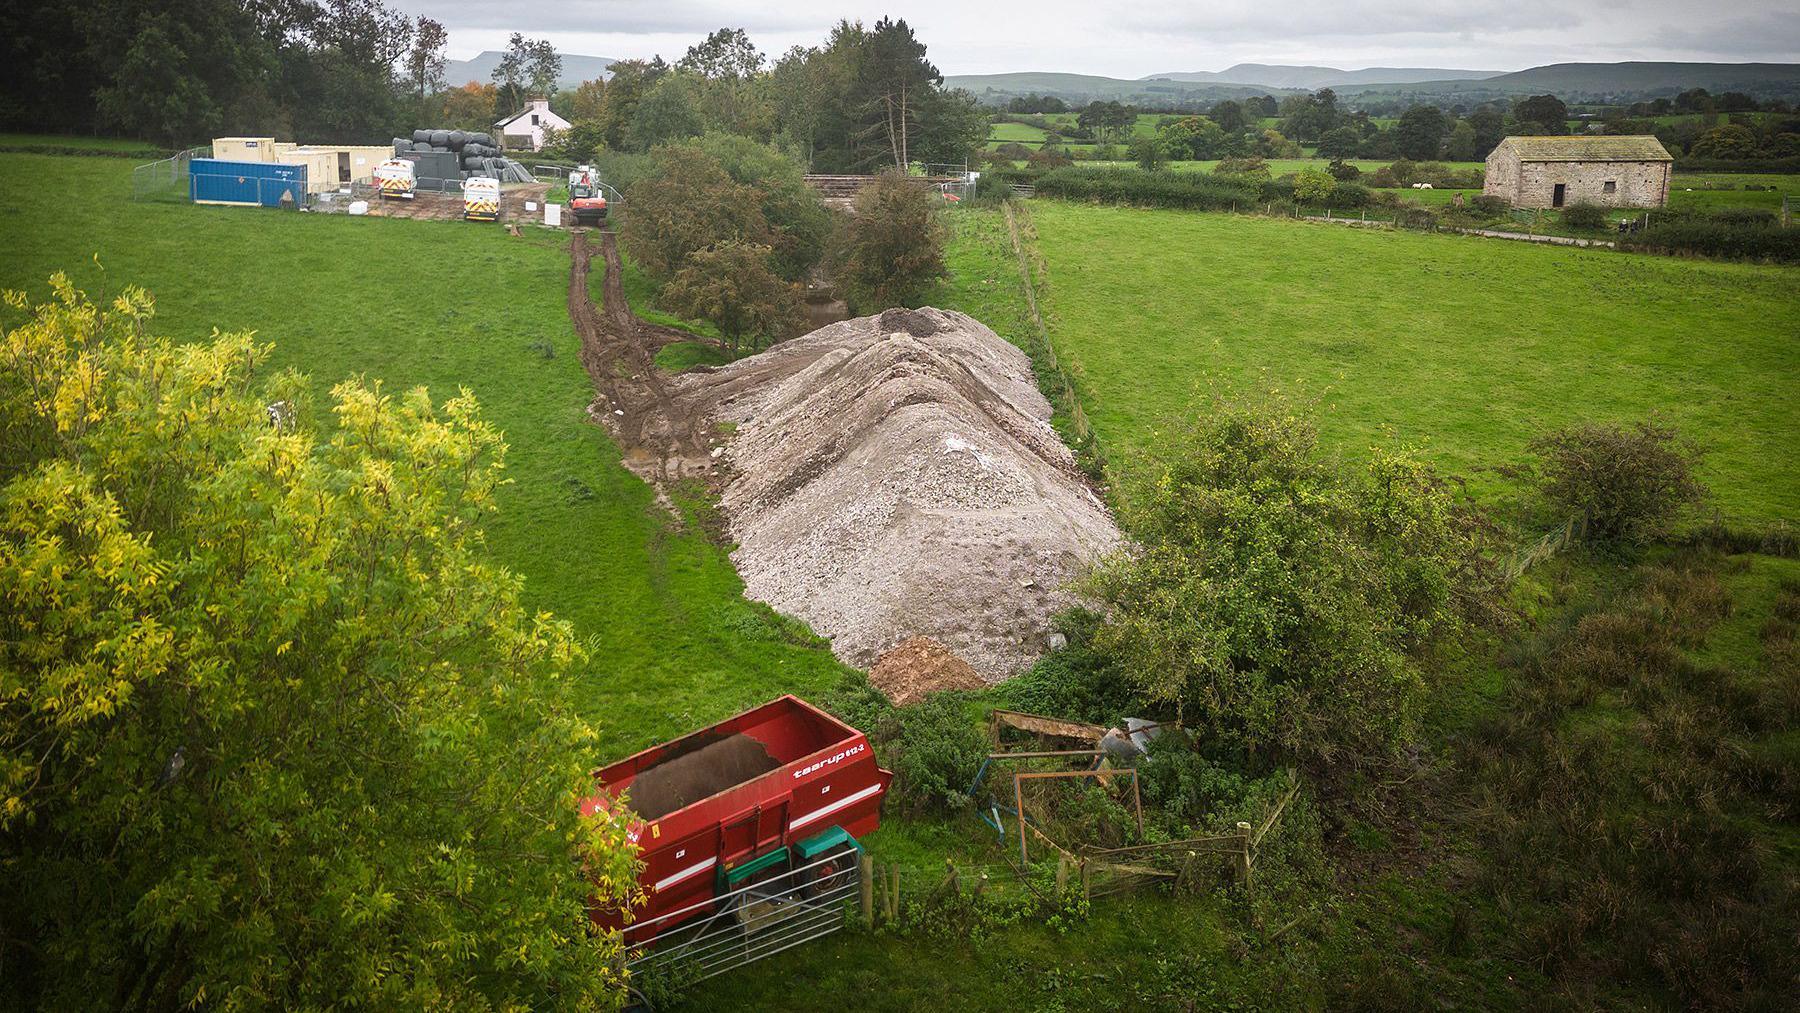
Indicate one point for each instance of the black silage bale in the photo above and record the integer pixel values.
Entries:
(458, 138)
(439, 138)
(422, 135)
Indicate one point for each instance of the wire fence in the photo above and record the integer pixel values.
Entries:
(165, 179)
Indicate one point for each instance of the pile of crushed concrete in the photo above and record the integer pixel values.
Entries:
(897, 476)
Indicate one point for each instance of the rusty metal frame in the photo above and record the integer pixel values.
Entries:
(1042, 724)
(1019, 779)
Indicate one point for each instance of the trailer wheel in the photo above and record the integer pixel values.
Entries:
(837, 870)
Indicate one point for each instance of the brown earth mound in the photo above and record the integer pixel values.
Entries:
(919, 667)
(690, 777)
(897, 476)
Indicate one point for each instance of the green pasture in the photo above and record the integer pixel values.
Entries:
(1000, 133)
(1470, 347)
(51, 143)
(672, 643)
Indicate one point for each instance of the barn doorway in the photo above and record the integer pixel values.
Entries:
(343, 167)
(1557, 195)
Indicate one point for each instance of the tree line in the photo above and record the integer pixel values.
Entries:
(1234, 129)
(865, 99)
(181, 71)
(362, 71)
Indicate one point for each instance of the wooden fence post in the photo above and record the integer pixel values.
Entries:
(865, 871)
(1062, 878)
(1244, 855)
(1086, 885)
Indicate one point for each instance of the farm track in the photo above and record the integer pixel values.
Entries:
(661, 438)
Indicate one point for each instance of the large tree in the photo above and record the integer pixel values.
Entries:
(1276, 597)
(687, 202)
(1542, 114)
(1419, 133)
(425, 60)
(898, 81)
(273, 730)
(734, 285)
(891, 250)
(528, 67)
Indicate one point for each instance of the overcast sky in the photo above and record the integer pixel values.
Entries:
(1135, 38)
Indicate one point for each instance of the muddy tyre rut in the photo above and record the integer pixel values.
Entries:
(661, 439)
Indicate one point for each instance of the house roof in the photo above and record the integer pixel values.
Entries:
(534, 107)
(1589, 148)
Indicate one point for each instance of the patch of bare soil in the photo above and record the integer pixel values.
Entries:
(449, 206)
(661, 442)
(919, 667)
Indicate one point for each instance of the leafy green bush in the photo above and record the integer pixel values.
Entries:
(1584, 216)
(1077, 681)
(1248, 166)
(1709, 238)
(1280, 190)
(1490, 204)
(891, 251)
(1192, 190)
(1625, 482)
(1278, 596)
(1314, 188)
(1350, 195)
(935, 751)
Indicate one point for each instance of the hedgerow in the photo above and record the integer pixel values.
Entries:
(1189, 190)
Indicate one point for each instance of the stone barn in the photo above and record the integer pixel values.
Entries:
(1629, 171)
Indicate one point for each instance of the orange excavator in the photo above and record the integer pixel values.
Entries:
(585, 200)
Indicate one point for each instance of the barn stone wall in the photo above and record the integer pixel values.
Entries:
(1533, 184)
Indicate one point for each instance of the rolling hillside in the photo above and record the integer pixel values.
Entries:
(576, 69)
(996, 88)
(1580, 81)
(1279, 76)
(1604, 79)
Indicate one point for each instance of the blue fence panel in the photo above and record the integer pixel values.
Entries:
(265, 183)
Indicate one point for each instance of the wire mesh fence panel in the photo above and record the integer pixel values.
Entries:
(164, 180)
(729, 930)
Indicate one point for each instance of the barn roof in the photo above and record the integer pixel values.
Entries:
(1589, 148)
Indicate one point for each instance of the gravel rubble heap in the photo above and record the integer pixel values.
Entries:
(896, 476)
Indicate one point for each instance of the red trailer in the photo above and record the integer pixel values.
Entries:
(784, 786)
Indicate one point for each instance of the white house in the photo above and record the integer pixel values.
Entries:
(525, 128)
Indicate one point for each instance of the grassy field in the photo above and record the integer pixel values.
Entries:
(673, 643)
(1470, 346)
(63, 142)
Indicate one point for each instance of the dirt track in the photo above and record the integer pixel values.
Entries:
(662, 441)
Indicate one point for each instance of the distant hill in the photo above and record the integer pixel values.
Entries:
(996, 88)
(1574, 81)
(575, 69)
(1314, 78)
(1603, 79)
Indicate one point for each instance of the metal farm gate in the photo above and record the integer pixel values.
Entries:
(745, 925)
